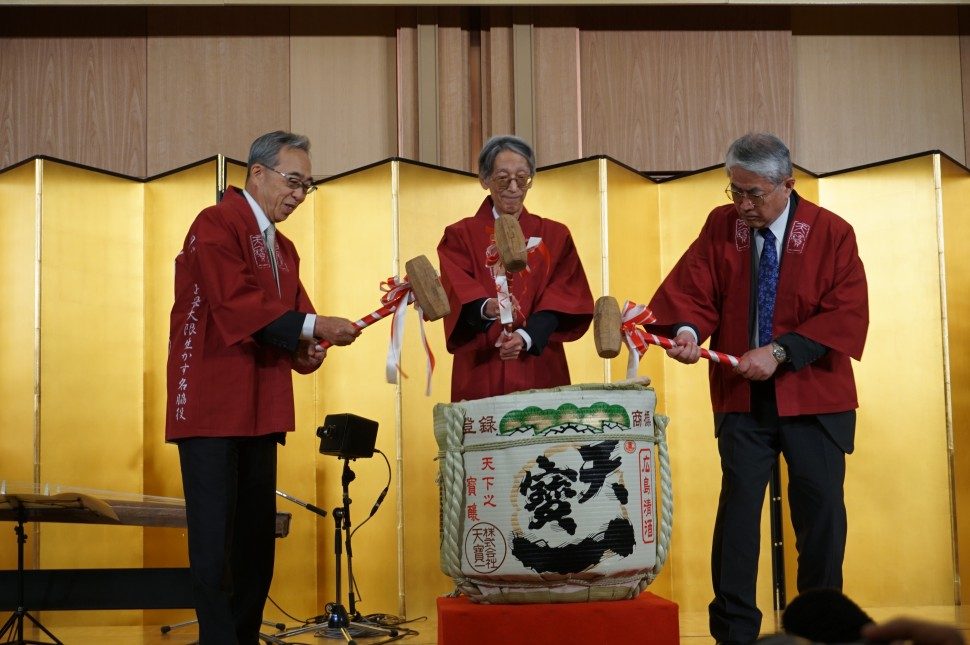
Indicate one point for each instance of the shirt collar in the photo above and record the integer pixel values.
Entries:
(261, 220)
(496, 214)
(779, 226)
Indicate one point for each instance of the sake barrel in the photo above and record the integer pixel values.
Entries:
(551, 495)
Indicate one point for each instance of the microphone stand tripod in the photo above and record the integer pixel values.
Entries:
(337, 616)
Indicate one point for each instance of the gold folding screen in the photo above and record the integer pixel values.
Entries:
(683, 395)
(106, 246)
(897, 489)
(955, 188)
(18, 212)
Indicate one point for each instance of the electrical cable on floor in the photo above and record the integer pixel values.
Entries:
(378, 620)
(286, 613)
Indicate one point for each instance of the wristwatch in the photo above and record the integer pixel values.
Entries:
(779, 352)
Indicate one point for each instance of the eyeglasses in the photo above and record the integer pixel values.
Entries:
(294, 182)
(738, 196)
(524, 182)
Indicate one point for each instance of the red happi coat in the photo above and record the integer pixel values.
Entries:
(821, 295)
(555, 281)
(222, 383)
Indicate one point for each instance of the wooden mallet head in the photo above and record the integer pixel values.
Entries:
(427, 289)
(510, 243)
(606, 327)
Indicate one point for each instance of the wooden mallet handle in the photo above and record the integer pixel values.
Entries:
(712, 355)
(510, 244)
(427, 290)
(608, 335)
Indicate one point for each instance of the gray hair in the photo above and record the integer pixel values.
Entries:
(497, 144)
(266, 148)
(763, 154)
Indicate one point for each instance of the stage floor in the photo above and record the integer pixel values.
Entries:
(693, 629)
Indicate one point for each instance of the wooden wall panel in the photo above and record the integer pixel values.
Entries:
(557, 104)
(498, 73)
(72, 86)
(453, 91)
(145, 90)
(874, 84)
(426, 117)
(343, 77)
(523, 87)
(407, 83)
(964, 19)
(217, 79)
(658, 97)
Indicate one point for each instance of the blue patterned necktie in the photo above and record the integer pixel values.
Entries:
(767, 285)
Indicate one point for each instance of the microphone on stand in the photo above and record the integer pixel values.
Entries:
(307, 505)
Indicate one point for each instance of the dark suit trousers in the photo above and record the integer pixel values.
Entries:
(816, 468)
(230, 504)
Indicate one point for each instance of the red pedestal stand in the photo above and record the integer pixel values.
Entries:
(645, 620)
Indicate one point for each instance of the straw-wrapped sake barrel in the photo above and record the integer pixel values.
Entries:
(551, 495)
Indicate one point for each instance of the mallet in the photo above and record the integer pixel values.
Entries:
(421, 280)
(510, 243)
(608, 331)
(606, 327)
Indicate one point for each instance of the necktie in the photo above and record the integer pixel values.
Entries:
(270, 236)
(767, 285)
